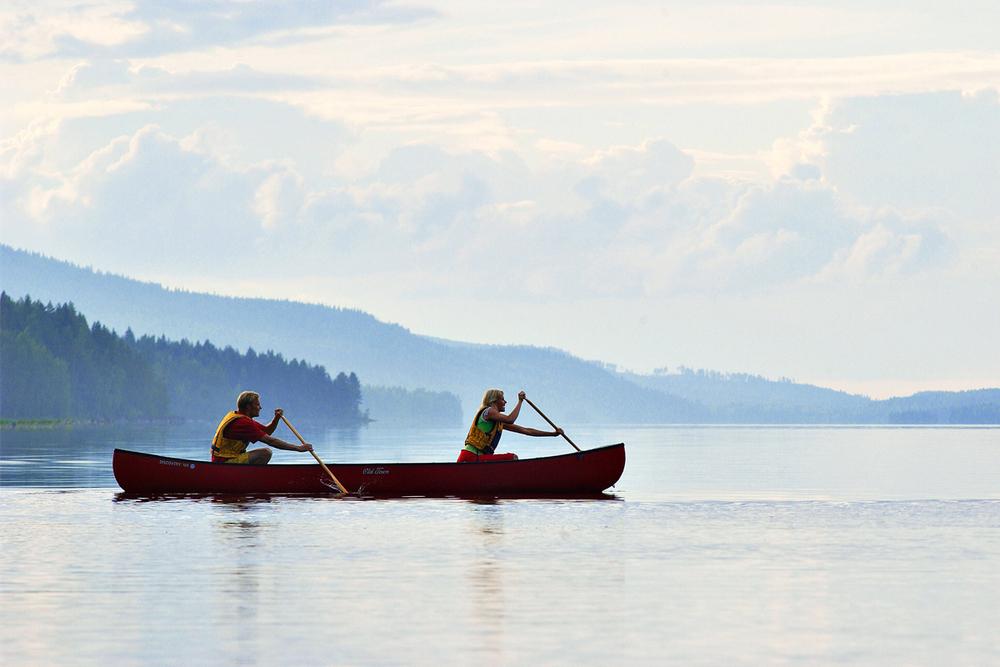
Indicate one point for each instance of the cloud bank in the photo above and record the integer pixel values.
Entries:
(634, 218)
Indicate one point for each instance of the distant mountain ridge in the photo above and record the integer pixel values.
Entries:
(342, 339)
(742, 398)
(570, 389)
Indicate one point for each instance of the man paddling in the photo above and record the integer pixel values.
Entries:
(238, 429)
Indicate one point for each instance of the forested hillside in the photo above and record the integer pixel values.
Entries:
(54, 365)
(204, 380)
(384, 354)
(380, 353)
(395, 405)
(979, 406)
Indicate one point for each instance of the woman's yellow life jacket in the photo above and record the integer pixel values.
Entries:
(227, 447)
(484, 442)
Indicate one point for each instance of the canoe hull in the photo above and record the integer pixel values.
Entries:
(577, 473)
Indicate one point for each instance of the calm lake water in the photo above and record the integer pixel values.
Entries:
(721, 546)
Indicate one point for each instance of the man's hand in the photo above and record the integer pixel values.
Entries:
(558, 431)
(305, 447)
(521, 396)
(277, 413)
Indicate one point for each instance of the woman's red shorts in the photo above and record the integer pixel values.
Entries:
(465, 456)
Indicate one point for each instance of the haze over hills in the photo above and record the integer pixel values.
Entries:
(568, 388)
(738, 398)
(341, 340)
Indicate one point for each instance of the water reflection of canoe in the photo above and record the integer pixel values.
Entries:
(577, 473)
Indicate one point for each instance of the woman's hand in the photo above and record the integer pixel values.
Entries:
(305, 447)
(558, 432)
(521, 395)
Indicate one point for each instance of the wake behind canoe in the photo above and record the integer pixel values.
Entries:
(577, 473)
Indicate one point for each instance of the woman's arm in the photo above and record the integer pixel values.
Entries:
(525, 430)
(494, 415)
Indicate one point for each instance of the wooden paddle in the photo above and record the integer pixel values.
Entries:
(336, 481)
(550, 422)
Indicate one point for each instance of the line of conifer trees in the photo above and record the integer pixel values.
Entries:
(53, 365)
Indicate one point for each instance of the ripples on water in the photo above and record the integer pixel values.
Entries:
(720, 546)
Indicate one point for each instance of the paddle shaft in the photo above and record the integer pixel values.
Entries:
(336, 481)
(550, 422)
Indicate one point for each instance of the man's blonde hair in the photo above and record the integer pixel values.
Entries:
(490, 396)
(246, 398)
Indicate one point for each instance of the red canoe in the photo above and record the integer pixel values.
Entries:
(577, 473)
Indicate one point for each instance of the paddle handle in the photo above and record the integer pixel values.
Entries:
(550, 422)
(322, 465)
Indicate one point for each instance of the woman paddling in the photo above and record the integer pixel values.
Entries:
(489, 423)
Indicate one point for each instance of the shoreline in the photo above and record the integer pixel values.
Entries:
(68, 423)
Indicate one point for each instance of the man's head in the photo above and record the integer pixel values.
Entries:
(247, 401)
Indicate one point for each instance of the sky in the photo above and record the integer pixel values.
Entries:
(797, 189)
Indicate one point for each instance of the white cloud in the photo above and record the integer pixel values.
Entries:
(471, 99)
(630, 174)
(626, 219)
(151, 27)
(30, 30)
(749, 239)
(917, 151)
(139, 201)
(278, 198)
(120, 77)
(90, 75)
(683, 80)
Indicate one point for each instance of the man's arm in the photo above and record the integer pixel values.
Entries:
(274, 422)
(281, 444)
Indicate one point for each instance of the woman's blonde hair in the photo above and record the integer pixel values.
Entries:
(490, 395)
